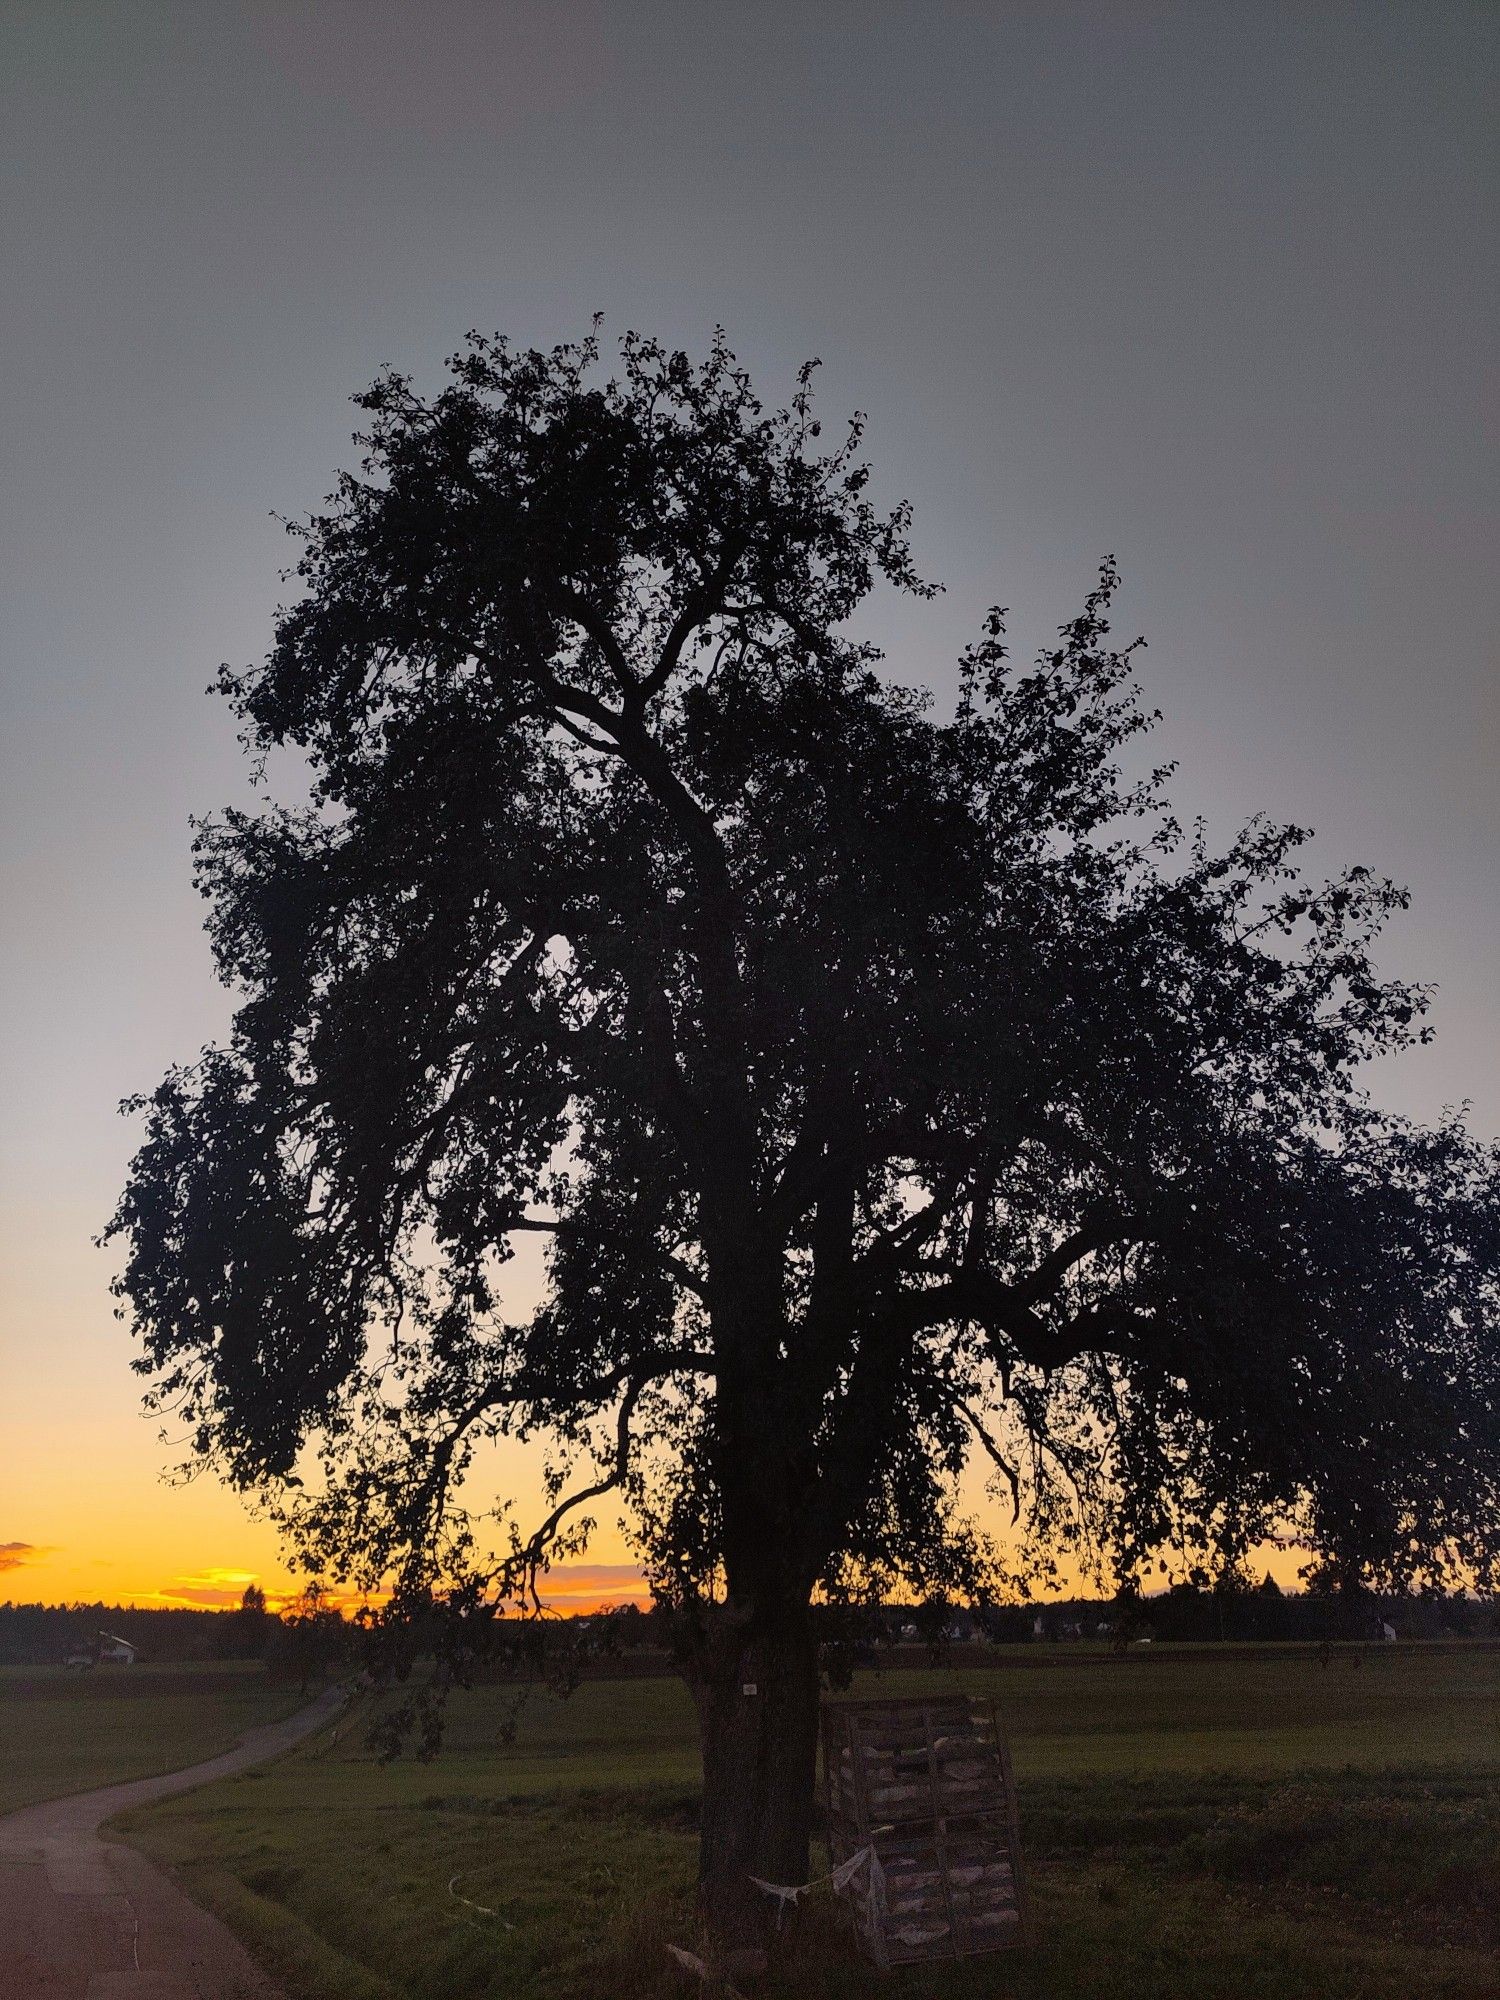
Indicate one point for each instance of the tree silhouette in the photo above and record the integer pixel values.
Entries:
(246, 1631)
(309, 1641)
(885, 1085)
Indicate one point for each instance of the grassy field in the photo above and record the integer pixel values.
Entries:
(67, 1732)
(1200, 1825)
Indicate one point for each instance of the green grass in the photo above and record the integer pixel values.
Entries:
(1199, 1825)
(68, 1732)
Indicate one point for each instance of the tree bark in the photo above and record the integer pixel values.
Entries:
(758, 1725)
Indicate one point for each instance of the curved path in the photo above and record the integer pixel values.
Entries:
(84, 1918)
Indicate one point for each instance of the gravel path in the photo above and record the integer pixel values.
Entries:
(85, 1918)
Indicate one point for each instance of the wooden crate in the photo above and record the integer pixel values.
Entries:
(926, 1787)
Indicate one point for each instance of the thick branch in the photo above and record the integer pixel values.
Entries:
(573, 604)
(716, 904)
(1105, 1227)
(994, 1305)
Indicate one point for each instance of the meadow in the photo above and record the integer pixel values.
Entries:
(63, 1731)
(1200, 1824)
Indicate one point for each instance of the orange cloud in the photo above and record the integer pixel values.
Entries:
(569, 1588)
(593, 1587)
(210, 1596)
(222, 1589)
(210, 1589)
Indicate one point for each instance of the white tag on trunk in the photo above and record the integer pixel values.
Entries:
(750, 1688)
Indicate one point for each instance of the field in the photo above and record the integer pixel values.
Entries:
(67, 1732)
(1201, 1824)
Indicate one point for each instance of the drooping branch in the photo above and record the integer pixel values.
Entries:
(997, 1457)
(525, 1564)
(633, 1376)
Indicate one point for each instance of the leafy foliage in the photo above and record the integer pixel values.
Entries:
(884, 1084)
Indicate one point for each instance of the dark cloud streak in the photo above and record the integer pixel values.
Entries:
(16, 1555)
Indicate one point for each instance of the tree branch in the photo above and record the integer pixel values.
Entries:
(529, 1559)
(994, 1305)
(1107, 1227)
(700, 604)
(575, 605)
(685, 1275)
(1012, 1477)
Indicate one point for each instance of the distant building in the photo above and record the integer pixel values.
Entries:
(105, 1649)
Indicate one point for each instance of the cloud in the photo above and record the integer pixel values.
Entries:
(16, 1555)
(223, 1590)
(209, 1589)
(570, 1587)
(208, 1596)
(593, 1586)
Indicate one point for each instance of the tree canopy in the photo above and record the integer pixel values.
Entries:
(886, 1084)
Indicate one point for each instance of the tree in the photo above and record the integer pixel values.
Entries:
(248, 1629)
(310, 1640)
(885, 1085)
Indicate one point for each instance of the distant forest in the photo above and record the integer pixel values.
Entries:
(46, 1634)
(1261, 1613)
(34, 1635)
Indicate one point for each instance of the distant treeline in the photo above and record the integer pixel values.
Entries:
(1243, 1615)
(34, 1635)
(1263, 1613)
(47, 1634)
(303, 1643)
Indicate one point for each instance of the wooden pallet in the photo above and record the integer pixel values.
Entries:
(926, 1787)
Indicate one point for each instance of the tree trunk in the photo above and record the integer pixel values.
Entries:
(758, 1724)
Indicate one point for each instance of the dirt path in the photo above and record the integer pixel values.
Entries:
(85, 1918)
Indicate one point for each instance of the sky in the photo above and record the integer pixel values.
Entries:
(1210, 288)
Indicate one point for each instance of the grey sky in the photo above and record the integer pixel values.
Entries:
(1211, 288)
